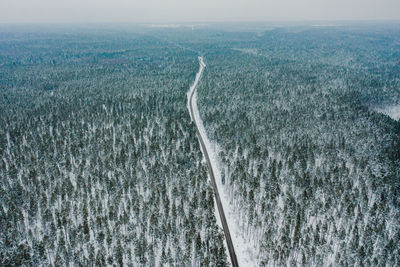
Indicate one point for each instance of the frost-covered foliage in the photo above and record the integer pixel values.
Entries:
(312, 171)
(99, 162)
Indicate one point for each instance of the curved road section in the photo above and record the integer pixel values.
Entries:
(225, 227)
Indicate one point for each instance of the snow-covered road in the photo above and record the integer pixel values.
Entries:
(229, 220)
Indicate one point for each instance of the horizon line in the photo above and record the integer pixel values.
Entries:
(200, 22)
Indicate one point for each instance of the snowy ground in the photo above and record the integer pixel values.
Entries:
(243, 249)
(392, 111)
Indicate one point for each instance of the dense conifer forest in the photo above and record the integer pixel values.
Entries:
(99, 160)
(311, 168)
(100, 164)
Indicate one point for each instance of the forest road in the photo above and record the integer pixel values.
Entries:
(225, 227)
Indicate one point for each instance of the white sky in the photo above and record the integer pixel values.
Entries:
(195, 10)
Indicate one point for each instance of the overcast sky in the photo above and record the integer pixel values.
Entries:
(195, 10)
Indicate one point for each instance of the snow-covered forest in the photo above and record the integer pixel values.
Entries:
(99, 163)
(312, 170)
